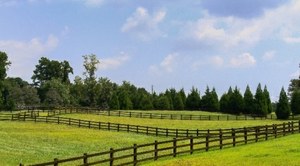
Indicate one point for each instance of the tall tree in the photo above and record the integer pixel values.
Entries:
(90, 65)
(4, 63)
(261, 105)
(236, 103)
(283, 109)
(47, 70)
(249, 102)
(295, 102)
(183, 96)
(268, 99)
(178, 103)
(193, 100)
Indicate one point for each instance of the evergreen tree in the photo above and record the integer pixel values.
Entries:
(145, 102)
(206, 100)
(163, 103)
(193, 100)
(295, 102)
(248, 101)
(178, 104)
(236, 104)
(124, 100)
(267, 96)
(261, 105)
(283, 109)
(114, 102)
(183, 97)
(225, 101)
(215, 100)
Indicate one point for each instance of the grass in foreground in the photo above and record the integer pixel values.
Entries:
(276, 152)
(30, 143)
(175, 124)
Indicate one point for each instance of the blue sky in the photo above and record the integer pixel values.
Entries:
(167, 44)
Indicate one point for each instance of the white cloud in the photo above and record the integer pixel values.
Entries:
(143, 24)
(23, 55)
(93, 3)
(167, 65)
(217, 61)
(243, 60)
(269, 55)
(281, 23)
(113, 63)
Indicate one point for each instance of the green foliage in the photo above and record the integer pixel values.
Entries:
(162, 103)
(283, 109)
(47, 70)
(267, 96)
(261, 104)
(295, 102)
(114, 102)
(236, 103)
(193, 100)
(249, 102)
(210, 101)
(178, 103)
(4, 63)
(294, 85)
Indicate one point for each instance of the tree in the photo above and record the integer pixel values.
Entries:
(193, 100)
(114, 102)
(294, 85)
(225, 101)
(183, 97)
(4, 63)
(261, 105)
(47, 70)
(268, 100)
(104, 91)
(162, 103)
(236, 104)
(178, 103)
(295, 102)
(283, 109)
(249, 102)
(124, 100)
(210, 101)
(90, 65)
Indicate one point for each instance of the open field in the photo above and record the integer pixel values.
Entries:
(28, 142)
(276, 152)
(175, 124)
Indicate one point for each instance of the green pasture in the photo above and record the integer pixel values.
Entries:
(175, 124)
(176, 112)
(30, 142)
(276, 152)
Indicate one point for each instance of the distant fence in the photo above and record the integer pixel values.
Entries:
(133, 114)
(138, 129)
(137, 154)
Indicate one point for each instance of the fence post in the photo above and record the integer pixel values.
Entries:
(108, 126)
(292, 125)
(283, 129)
(128, 128)
(221, 138)
(156, 131)
(111, 157)
(245, 135)
(134, 154)
(150, 115)
(267, 132)
(299, 126)
(176, 132)
(256, 134)
(187, 132)
(55, 162)
(118, 127)
(275, 130)
(79, 122)
(233, 136)
(89, 124)
(191, 144)
(197, 132)
(99, 125)
(155, 150)
(85, 158)
(174, 147)
(207, 142)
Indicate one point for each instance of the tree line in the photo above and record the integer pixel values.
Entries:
(52, 87)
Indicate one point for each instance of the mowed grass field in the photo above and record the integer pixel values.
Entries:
(175, 124)
(30, 142)
(284, 151)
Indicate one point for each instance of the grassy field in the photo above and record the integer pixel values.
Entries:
(179, 124)
(177, 112)
(276, 152)
(29, 143)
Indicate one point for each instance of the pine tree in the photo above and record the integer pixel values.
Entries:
(206, 100)
(261, 106)
(248, 101)
(283, 109)
(193, 100)
(178, 104)
(183, 97)
(215, 100)
(224, 101)
(114, 102)
(236, 104)
(295, 102)
(267, 96)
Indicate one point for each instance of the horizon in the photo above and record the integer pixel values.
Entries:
(161, 44)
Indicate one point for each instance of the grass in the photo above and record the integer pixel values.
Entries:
(29, 143)
(177, 112)
(276, 152)
(176, 124)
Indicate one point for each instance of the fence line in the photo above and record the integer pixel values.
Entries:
(132, 114)
(137, 154)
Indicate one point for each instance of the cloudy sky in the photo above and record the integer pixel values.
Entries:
(162, 43)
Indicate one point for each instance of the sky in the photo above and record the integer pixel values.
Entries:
(160, 43)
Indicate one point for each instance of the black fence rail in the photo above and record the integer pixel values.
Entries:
(134, 114)
(138, 129)
(137, 154)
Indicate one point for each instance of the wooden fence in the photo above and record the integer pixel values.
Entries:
(138, 129)
(137, 154)
(132, 114)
